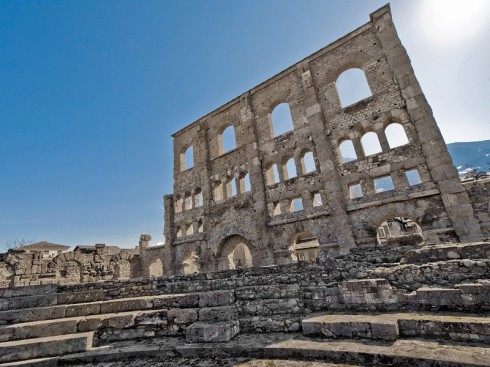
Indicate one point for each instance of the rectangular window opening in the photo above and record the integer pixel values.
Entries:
(296, 205)
(355, 191)
(383, 184)
(413, 177)
(317, 199)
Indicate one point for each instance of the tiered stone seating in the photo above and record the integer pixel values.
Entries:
(297, 311)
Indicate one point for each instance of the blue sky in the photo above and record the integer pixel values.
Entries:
(90, 92)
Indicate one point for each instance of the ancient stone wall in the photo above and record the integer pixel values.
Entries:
(21, 268)
(261, 195)
(479, 194)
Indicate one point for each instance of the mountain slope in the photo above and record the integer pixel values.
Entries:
(475, 154)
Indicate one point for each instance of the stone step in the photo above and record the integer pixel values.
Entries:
(216, 324)
(143, 320)
(177, 362)
(392, 326)
(292, 347)
(383, 327)
(37, 362)
(19, 350)
(452, 251)
(20, 300)
(99, 307)
(399, 353)
(216, 332)
(70, 325)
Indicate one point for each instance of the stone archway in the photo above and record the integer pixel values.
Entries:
(235, 253)
(155, 268)
(122, 269)
(190, 264)
(304, 247)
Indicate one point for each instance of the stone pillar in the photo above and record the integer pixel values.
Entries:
(439, 162)
(169, 233)
(257, 182)
(205, 166)
(326, 158)
(144, 241)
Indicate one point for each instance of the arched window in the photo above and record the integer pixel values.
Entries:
(227, 140)
(370, 144)
(276, 209)
(190, 230)
(200, 227)
(272, 174)
(187, 201)
(245, 183)
(178, 204)
(290, 168)
(234, 191)
(347, 151)
(308, 163)
(198, 202)
(396, 135)
(187, 158)
(352, 86)
(282, 122)
(218, 191)
(178, 232)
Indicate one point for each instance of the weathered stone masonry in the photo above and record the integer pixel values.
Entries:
(207, 216)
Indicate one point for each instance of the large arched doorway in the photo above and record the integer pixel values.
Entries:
(399, 231)
(122, 269)
(190, 264)
(235, 253)
(304, 247)
(156, 268)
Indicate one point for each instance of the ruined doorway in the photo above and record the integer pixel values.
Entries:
(72, 272)
(156, 268)
(399, 231)
(190, 264)
(304, 247)
(122, 269)
(235, 254)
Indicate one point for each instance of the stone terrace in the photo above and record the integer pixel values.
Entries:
(340, 312)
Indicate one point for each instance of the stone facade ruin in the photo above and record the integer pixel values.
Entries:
(280, 251)
(85, 264)
(249, 192)
(267, 189)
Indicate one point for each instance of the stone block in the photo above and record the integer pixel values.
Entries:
(54, 328)
(33, 301)
(44, 347)
(157, 318)
(82, 310)
(174, 301)
(216, 298)
(182, 316)
(219, 332)
(81, 297)
(385, 330)
(223, 313)
(126, 305)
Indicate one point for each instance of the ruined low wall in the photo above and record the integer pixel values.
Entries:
(266, 299)
(22, 268)
(479, 195)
